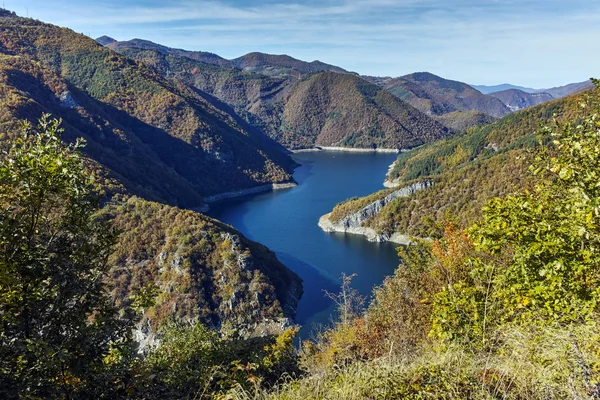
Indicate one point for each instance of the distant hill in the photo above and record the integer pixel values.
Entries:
(444, 100)
(281, 65)
(324, 108)
(266, 64)
(562, 91)
(105, 40)
(485, 89)
(457, 96)
(202, 56)
(517, 99)
(555, 92)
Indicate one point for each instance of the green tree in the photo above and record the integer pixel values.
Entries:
(57, 326)
(536, 254)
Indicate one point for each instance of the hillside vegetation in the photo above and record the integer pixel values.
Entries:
(200, 269)
(167, 146)
(505, 309)
(166, 141)
(467, 170)
(322, 108)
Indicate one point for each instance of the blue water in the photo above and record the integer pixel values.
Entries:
(286, 222)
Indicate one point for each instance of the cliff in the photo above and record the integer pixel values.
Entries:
(201, 269)
(353, 222)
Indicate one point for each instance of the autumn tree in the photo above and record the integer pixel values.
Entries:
(58, 330)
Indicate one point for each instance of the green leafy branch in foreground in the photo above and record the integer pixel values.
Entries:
(56, 323)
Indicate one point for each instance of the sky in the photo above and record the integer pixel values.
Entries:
(532, 43)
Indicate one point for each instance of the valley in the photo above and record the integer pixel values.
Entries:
(180, 224)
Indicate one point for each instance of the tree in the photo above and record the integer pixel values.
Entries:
(538, 251)
(57, 325)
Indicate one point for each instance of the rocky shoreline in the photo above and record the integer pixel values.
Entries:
(352, 223)
(390, 183)
(346, 149)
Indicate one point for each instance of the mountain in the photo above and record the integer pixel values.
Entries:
(202, 56)
(555, 92)
(266, 64)
(164, 140)
(517, 99)
(317, 109)
(453, 95)
(455, 176)
(152, 144)
(444, 100)
(330, 109)
(281, 65)
(562, 91)
(105, 40)
(485, 89)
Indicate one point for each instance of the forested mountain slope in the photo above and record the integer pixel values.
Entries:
(159, 135)
(168, 145)
(317, 109)
(466, 171)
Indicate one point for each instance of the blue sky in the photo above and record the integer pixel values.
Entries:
(537, 43)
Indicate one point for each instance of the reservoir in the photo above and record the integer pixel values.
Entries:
(286, 222)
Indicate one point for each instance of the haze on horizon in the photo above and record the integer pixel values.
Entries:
(532, 43)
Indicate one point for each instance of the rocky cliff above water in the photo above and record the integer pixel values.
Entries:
(353, 222)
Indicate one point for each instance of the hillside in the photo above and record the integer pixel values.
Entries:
(276, 65)
(169, 145)
(516, 99)
(315, 110)
(465, 172)
(330, 109)
(162, 139)
(203, 269)
(455, 104)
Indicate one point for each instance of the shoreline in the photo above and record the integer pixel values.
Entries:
(243, 192)
(386, 182)
(367, 233)
(347, 149)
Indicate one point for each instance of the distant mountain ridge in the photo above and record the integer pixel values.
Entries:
(517, 99)
(267, 64)
(487, 89)
(455, 104)
(556, 92)
(325, 108)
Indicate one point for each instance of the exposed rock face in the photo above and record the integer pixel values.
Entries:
(201, 269)
(67, 100)
(352, 223)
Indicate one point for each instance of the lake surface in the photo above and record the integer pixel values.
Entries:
(286, 222)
